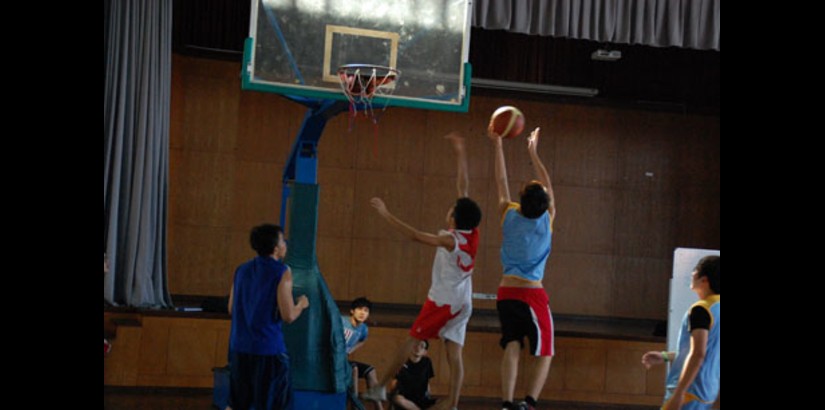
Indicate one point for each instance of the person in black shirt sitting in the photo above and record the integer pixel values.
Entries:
(412, 383)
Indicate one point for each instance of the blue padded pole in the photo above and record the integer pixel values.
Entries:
(302, 165)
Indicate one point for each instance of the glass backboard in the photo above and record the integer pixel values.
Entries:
(296, 46)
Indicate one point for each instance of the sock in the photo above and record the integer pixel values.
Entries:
(531, 401)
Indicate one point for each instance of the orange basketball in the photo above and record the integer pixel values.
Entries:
(508, 121)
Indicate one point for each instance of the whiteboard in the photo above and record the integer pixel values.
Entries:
(681, 297)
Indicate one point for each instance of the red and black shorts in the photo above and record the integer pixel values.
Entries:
(525, 312)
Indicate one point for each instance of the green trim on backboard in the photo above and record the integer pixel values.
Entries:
(248, 84)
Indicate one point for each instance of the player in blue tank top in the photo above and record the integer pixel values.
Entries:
(522, 303)
(694, 378)
(260, 300)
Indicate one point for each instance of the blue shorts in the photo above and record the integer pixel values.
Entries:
(259, 381)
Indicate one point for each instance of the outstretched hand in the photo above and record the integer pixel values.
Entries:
(533, 140)
(379, 205)
(457, 140)
(491, 132)
(651, 359)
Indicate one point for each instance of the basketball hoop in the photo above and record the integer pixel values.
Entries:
(362, 82)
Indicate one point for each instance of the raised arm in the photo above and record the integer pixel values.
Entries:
(501, 170)
(541, 172)
(446, 241)
(290, 311)
(463, 179)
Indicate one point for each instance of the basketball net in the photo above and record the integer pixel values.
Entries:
(361, 83)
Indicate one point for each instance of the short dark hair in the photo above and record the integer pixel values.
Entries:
(264, 238)
(466, 213)
(709, 267)
(426, 344)
(534, 200)
(361, 302)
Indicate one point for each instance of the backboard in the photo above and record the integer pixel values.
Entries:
(296, 46)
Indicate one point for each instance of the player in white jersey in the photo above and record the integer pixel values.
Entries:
(449, 302)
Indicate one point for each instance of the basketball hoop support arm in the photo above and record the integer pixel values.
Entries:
(302, 164)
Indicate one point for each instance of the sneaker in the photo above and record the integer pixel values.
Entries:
(375, 393)
(524, 406)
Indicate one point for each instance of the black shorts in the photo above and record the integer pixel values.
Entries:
(422, 402)
(524, 312)
(363, 369)
(259, 381)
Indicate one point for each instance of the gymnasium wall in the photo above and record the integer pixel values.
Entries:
(630, 186)
(169, 350)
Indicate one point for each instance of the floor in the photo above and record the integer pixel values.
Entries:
(201, 399)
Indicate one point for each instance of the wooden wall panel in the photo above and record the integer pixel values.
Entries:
(558, 367)
(211, 114)
(630, 185)
(423, 272)
(188, 347)
(490, 352)
(202, 188)
(121, 366)
(439, 157)
(240, 251)
(474, 365)
(177, 104)
(154, 347)
(335, 262)
(337, 190)
(585, 220)
(387, 271)
(646, 152)
(640, 288)
(487, 275)
(256, 194)
(492, 214)
(397, 145)
(644, 223)
(221, 357)
(655, 380)
(198, 259)
(624, 373)
(587, 150)
(585, 368)
(401, 193)
(572, 273)
(267, 125)
(698, 152)
(438, 196)
(338, 146)
(698, 211)
(181, 351)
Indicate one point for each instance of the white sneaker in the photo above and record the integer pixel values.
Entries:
(375, 393)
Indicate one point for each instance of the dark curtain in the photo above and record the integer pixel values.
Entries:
(136, 92)
(661, 23)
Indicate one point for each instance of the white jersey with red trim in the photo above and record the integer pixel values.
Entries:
(453, 269)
